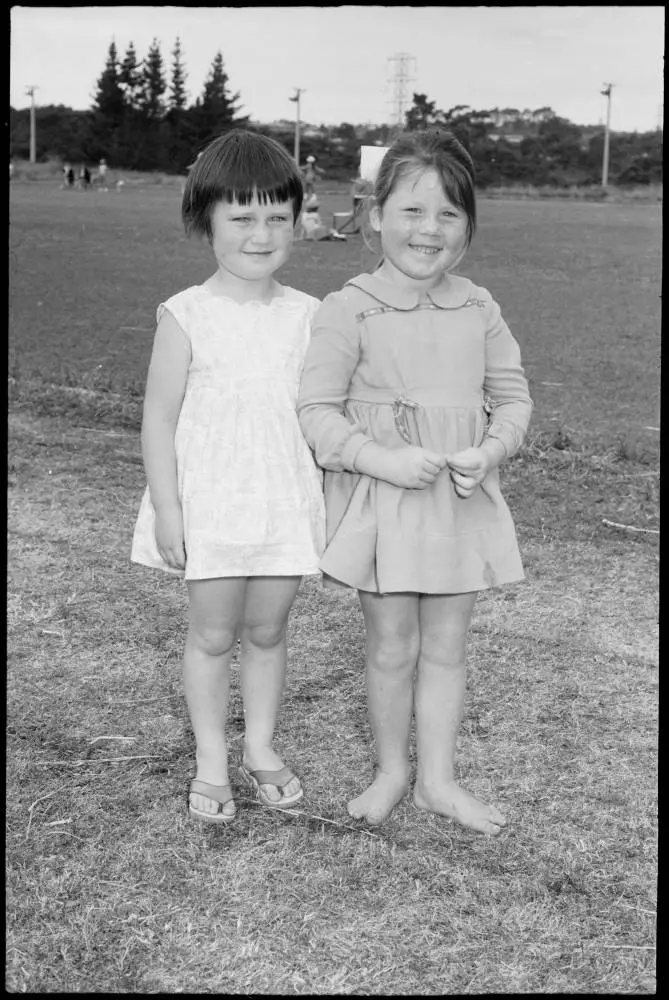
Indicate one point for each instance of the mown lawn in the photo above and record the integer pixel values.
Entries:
(579, 284)
(109, 887)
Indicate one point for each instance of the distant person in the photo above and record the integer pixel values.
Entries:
(84, 177)
(360, 192)
(234, 502)
(393, 402)
(68, 176)
(312, 225)
(311, 173)
(101, 178)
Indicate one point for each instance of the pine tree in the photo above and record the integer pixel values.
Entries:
(107, 113)
(145, 135)
(109, 100)
(153, 83)
(130, 77)
(131, 134)
(177, 97)
(217, 111)
(180, 145)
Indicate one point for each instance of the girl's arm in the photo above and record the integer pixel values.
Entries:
(165, 388)
(331, 359)
(507, 387)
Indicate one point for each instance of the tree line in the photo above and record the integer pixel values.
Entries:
(141, 119)
(539, 147)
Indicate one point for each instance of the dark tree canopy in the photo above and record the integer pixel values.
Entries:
(140, 119)
(153, 84)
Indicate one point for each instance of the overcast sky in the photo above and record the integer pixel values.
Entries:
(342, 57)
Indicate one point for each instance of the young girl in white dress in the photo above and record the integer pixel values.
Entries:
(234, 501)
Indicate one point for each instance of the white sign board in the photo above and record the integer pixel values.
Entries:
(370, 161)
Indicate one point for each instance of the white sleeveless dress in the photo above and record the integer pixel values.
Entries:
(248, 484)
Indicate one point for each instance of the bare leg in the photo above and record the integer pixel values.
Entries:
(391, 622)
(440, 696)
(215, 609)
(263, 671)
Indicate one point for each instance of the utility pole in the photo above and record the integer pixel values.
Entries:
(608, 87)
(296, 148)
(33, 150)
(400, 80)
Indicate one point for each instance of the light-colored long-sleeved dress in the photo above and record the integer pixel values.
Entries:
(384, 367)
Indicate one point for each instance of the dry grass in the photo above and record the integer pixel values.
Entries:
(111, 889)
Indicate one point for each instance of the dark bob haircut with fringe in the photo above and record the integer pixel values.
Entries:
(436, 149)
(235, 167)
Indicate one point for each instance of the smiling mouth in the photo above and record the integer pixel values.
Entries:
(428, 251)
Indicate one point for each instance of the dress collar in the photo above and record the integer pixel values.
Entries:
(451, 293)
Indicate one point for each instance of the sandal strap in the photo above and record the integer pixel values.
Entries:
(278, 778)
(219, 793)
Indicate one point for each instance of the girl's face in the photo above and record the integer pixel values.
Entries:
(252, 241)
(422, 233)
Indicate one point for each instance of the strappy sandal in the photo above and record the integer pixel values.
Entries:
(280, 778)
(218, 793)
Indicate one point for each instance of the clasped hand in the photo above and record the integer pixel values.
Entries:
(468, 469)
(413, 468)
(417, 468)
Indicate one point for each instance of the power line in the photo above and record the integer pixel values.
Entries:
(400, 80)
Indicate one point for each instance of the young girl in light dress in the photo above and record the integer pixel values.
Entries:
(404, 366)
(234, 501)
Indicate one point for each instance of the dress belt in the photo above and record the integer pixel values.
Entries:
(404, 408)
(421, 397)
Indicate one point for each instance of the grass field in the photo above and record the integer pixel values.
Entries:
(579, 284)
(109, 887)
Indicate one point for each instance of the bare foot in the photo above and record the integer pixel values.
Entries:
(377, 802)
(451, 800)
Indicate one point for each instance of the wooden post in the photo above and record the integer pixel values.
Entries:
(608, 87)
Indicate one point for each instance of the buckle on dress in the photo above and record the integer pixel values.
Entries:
(401, 406)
